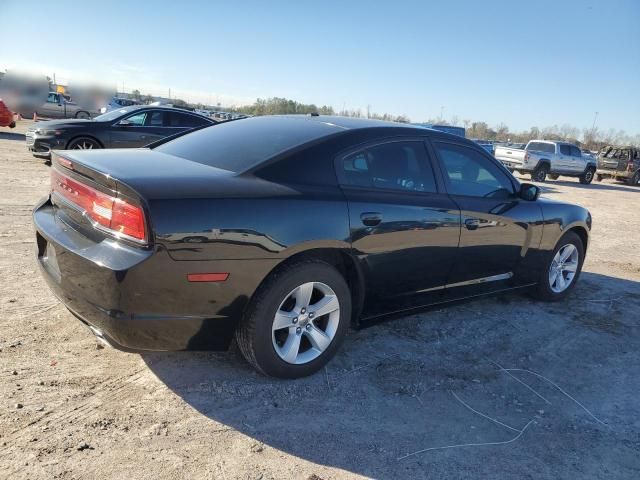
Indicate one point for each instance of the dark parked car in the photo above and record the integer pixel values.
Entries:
(133, 126)
(285, 231)
(620, 163)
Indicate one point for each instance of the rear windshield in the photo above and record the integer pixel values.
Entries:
(241, 144)
(541, 147)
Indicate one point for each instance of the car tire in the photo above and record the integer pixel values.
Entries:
(82, 115)
(12, 125)
(554, 176)
(540, 173)
(587, 177)
(83, 143)
(635, 179)
(549, 287)
(279, 334)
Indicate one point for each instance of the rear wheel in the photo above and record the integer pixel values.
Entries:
(635, 179)
(561, 273)
(296, 321)
(82, 114)
(540, 173)
(83, 143)
(587, 177)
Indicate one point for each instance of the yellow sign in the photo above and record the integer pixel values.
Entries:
(59, 89)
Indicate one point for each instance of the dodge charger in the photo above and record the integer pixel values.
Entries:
(285, 231)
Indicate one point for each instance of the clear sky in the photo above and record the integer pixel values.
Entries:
(523, 63)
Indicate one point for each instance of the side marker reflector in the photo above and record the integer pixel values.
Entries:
(207, 277)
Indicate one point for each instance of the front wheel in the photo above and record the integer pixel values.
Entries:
(82, 115)
(83, 143)
(587, 177)
(561, 273)
(296, 321)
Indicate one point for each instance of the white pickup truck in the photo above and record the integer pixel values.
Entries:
(541, 158)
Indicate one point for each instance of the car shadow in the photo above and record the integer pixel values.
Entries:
(397, 388)
(12, 136)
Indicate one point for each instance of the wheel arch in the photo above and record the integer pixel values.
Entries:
(582, 232)
(343, 261)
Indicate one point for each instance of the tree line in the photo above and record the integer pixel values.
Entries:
(591, 138)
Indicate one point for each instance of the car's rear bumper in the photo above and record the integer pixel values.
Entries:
(136, 299)
(609, 173)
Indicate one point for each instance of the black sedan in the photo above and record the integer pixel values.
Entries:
(128, 127)
(285, 231)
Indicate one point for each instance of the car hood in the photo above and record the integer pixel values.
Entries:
(71, 122)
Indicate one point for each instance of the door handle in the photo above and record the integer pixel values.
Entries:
(371, 219)
(472, 223)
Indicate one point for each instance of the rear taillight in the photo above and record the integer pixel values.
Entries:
(117, 216)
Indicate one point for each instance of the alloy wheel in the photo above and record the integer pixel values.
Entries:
(84, 145)
(306, 322)
(563, 268)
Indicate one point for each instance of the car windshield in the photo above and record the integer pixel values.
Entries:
(113, 114)
(241, 144)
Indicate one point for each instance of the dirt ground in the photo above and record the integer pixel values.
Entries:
(495, 388)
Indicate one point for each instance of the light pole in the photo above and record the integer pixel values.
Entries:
(595, 117)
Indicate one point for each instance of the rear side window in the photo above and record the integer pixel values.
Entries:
(177, 119)
(469, 173)
(541, 147)
(400, 166)
(242, 144)
(156, 119)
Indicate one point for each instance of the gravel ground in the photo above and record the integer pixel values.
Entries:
(496, 388)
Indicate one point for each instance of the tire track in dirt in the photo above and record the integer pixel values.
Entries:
(116, 390)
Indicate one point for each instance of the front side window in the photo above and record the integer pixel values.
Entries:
(52, 98)
(137, 119)
(575, 152)
(468, 172)
(400, 166)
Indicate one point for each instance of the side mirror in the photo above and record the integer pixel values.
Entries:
(529, 192)
(124, 123)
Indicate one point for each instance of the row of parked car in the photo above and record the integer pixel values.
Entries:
(544, 159)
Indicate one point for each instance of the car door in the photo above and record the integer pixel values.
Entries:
(497, 226)
(578, 162)
(404, 228)
(564, 161)
(53, 107)
(128, 131)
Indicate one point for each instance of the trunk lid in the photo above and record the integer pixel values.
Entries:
(149, 174)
